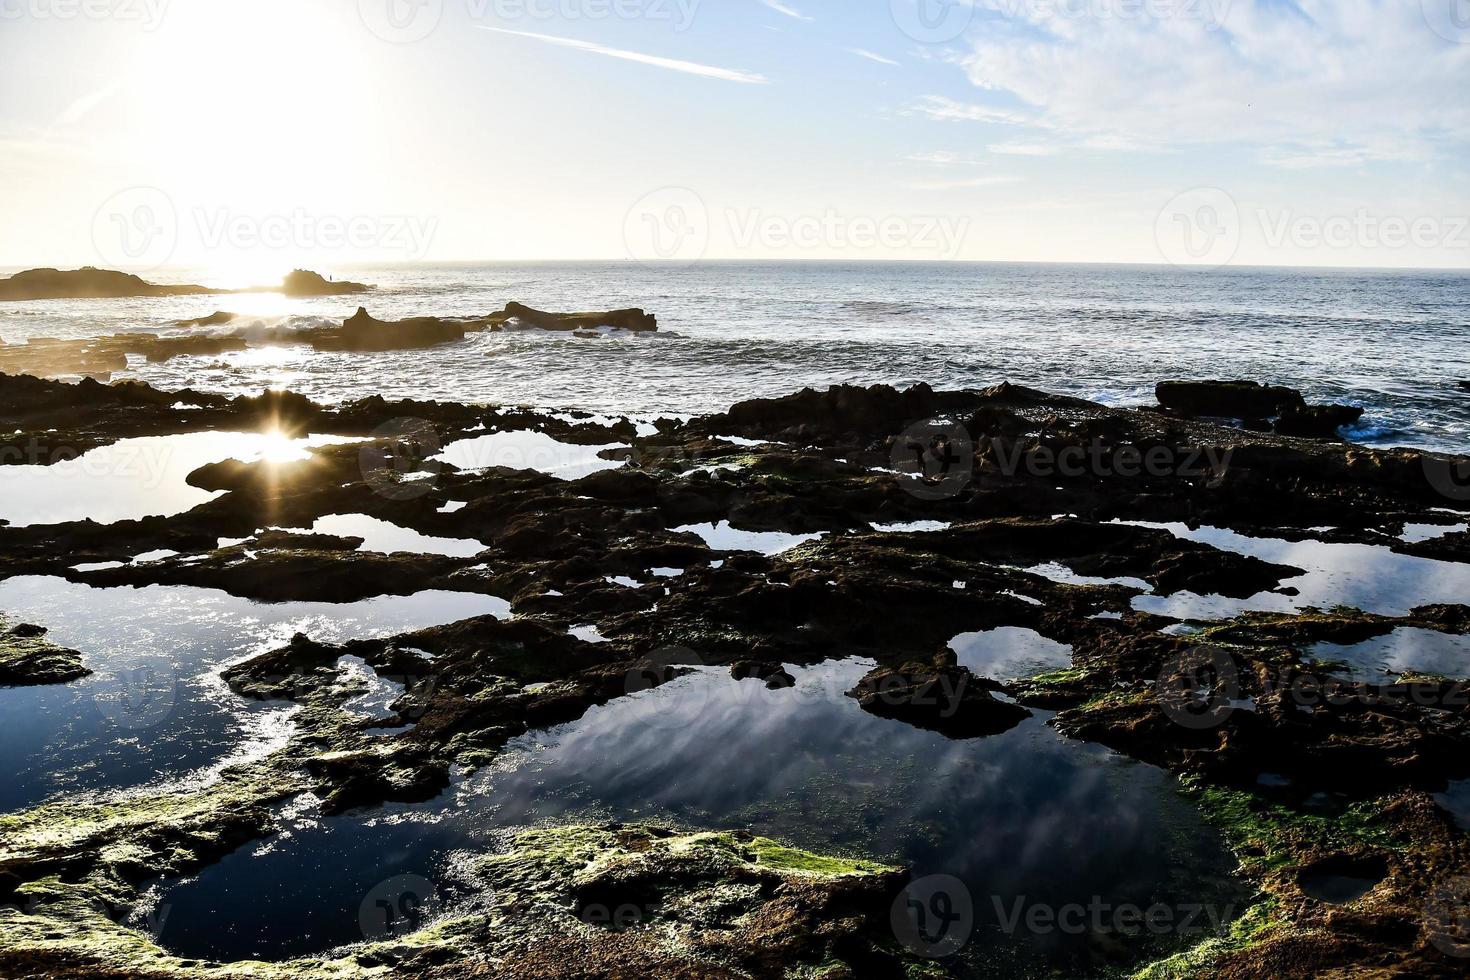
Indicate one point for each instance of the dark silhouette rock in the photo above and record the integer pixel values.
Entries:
(947, 700)
(88, 283)
(217, 319)
(1227, 399)
(301, 282)
(1317, 421)
(634, 319)
(363, 333)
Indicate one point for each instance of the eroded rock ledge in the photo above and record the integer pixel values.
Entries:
(1014, 542)
(27, 658)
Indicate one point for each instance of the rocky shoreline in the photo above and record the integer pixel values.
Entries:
(1015, 484)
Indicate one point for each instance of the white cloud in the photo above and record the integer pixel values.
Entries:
(954, 185)
(1022, 149)
(788, 11)
(1351, 80)
(672, 64)
(945, 109)
(864, 53)
(939, 158)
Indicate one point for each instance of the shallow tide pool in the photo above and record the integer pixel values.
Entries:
(1023, 819)
(155, 708)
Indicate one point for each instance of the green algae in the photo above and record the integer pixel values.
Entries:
(1259, 923)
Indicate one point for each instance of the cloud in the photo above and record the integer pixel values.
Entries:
(939, 158)
(1022, 149)
(864, 53)
(672, 64)
(788, 11)
(1366, 79)
(954, 185)
(944, 109)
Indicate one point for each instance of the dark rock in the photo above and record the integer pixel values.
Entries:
(216, 319)
(1316, 421)
(362, 333)
(101, 356)
(948, 700)
(302, 283)
(1227, 399)
(774, 675)
(634, 319)
(88, 283)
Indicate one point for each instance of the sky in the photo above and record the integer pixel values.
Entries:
(250, 136)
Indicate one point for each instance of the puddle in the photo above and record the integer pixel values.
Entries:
(912, 527)
(1009, 653)
(136, 478)
(1342, 880)
(1367, 577)
(723, 537)
(388, 538)
(1062, 575)
(529, 450)
(1419, 533)
(1004, 814)
(379, 693)
(1456, 802)
(1408, 649)
(155, 707)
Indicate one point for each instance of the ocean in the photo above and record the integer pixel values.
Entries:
(1395, 342)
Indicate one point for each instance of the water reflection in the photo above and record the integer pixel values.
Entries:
(529, 450)
(1367, 577)
(136, 478)
(1022, 816)
(1409, 649)
(155, 706)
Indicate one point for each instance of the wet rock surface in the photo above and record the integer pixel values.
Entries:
(1258, 406)
(27, 657)
(1032, 502)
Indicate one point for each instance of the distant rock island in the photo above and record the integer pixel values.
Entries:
(91, 283)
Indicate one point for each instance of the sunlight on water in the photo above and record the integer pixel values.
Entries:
(136, 478)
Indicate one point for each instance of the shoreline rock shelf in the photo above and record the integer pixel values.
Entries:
(823, 464)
